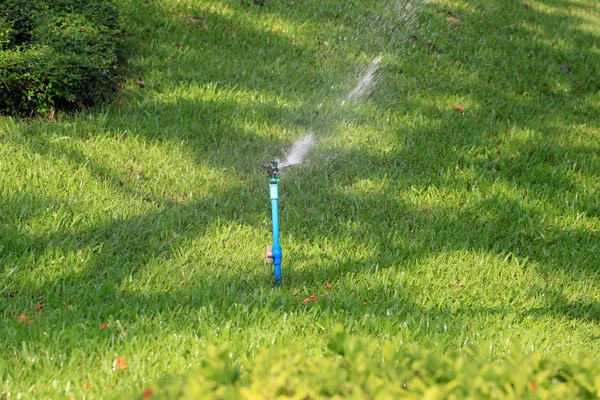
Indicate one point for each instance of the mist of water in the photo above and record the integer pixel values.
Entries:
(365, 82)
(302, 146)
(392, 29)
(299, 149)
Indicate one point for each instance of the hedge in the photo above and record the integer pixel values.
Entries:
(360, 369)
(57, 54)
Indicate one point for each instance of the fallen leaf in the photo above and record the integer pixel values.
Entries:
(39, 307)
(147, 393)
(121, 363)
(22, 317)
(310, 300)
(460, 109)
(140, 82)
(453, 21)
(457, 283)
(104, 326)
(328, 286)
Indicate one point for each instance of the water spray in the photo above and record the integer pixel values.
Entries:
(295, 156)
(274, 253)
(398, 13)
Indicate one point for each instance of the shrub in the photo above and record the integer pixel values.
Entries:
(359, 369)
(5, 32)
(57, 54)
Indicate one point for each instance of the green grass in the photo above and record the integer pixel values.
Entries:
(433, 227)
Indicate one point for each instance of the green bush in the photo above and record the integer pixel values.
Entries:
(5, 32)
(60, 54)
(355, 369)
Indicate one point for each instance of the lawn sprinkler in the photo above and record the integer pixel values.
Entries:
(274, 252)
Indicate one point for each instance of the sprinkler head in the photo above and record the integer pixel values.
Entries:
(272, 168)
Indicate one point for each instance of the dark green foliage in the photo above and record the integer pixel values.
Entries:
(5, 31)
(57, 54)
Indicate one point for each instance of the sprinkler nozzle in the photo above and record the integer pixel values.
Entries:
(272, 168)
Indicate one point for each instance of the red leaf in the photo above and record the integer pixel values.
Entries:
(121, 363)
(311, 299)
(24, 319)
(453, 21)
(104, 326)
(147, 393)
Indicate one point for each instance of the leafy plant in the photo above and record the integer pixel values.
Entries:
(358, 368)
(5, 31)
(58, 54)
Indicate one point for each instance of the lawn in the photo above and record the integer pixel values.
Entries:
(454, 205)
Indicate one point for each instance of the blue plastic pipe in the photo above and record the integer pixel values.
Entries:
(276, 250)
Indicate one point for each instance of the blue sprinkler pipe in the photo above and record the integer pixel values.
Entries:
(276, 250)
(276, 254)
